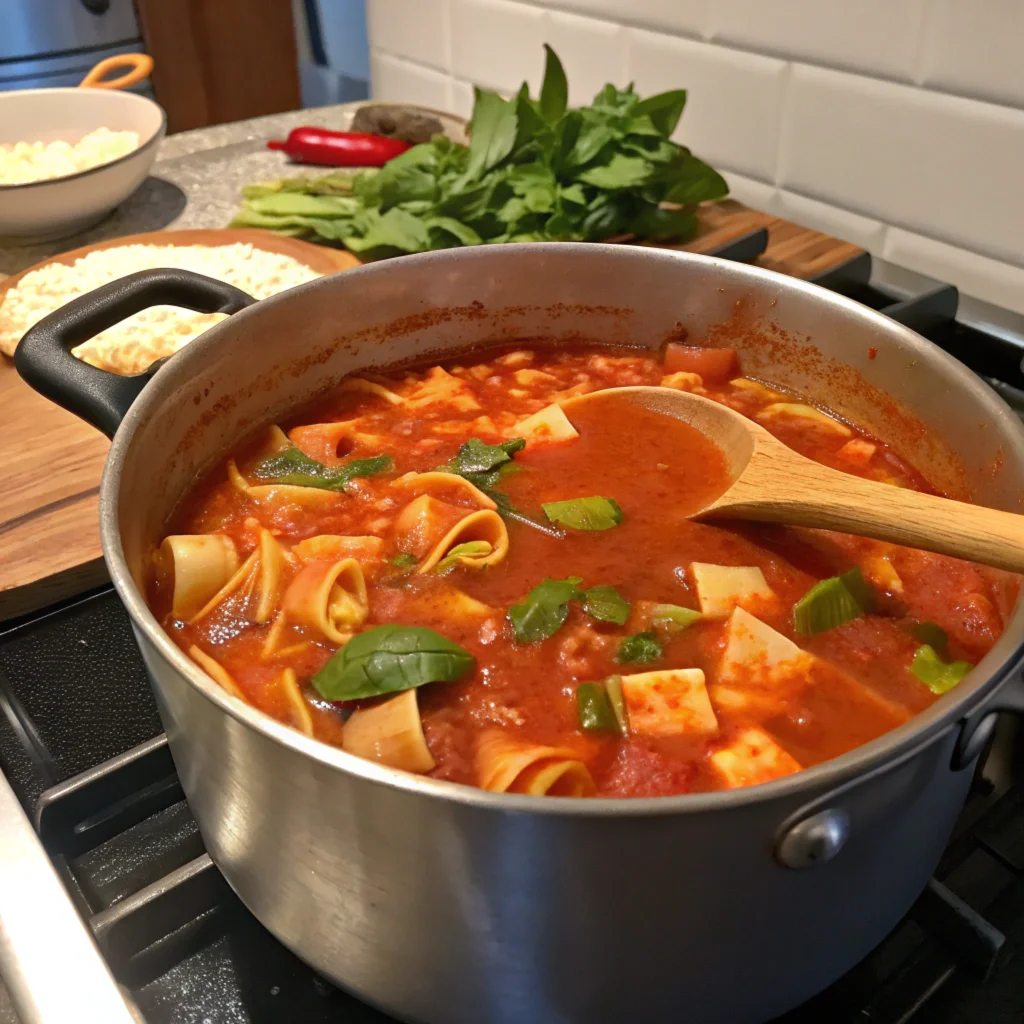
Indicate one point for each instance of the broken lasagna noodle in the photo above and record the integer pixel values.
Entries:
(454, 571)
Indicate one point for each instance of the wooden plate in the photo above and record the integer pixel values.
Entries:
(49, 520)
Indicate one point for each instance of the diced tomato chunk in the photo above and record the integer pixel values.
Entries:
(713, 364)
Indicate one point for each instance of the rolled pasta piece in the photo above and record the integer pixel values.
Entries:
(423, 522)
(478, 540)
(261, 493)
(202, 564)
(243, 579)
(370, 387)
(333, 547)
(216, 671)
(445, 486)
(320, 440)
(390, 733)
(301, 717)
(271, 569)
(329, 597)
(505, 764)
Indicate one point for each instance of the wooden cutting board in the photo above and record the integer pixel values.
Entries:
(49, 533)
(52, 461)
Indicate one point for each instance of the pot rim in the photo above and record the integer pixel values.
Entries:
(919, 731)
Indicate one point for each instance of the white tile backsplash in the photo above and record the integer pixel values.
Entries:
(401, 81)
(894, 124)
(733, 103)
(948, 166)
(879, 37)
(991, 280)
(975, 49)
(416, 29)
(498, 43)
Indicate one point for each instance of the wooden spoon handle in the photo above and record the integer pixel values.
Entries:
(808, 494)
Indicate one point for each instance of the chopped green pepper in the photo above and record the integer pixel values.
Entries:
(828, 604)
(934, 672)
(595, 709)
(675, 616)
(613, 684)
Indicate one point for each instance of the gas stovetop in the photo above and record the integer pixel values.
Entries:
(82, 747)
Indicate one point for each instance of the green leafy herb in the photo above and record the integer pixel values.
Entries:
(483, 465)
(594, 709)
(534, 170)
(831, 602)
(389, 659)
(554, 90)
(404, 560)
(544, 610)
(674, 616)
(585, 513)
(639, 647)
(469, 548)
(606, 604)
(936, 674)
(931, 634)
(292, 466)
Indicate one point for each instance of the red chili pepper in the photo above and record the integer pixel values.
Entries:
(339, 149)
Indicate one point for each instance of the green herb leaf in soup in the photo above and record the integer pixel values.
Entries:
(606, 604)
(473, 548)
(594, 709)
(639, 647)
(934, 672)
(674, 617)
(390, 659)
(544, 610)
(292, 466)
(477, 460)
(585, 513)
(404, 560)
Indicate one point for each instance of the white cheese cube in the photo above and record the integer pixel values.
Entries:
(671, 702)
(548, 425)
(752, 757)
(720, 588)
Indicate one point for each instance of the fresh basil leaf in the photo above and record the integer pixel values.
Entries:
(664, 110)
(476, 456)
(594, 513)
(292, 466)
(459, 233)
(620, 172)
(390, 659)
(554, 90)
(692, 181)
(410, 176)
(492, 132)
(544, 610)
(509, 511)
(396, 229)
(606, 604)
(938, 676)
(657, 223)
(639, 647)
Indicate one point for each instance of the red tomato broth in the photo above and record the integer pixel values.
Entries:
(658, 470)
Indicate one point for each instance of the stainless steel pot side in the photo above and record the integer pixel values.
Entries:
(441, 903)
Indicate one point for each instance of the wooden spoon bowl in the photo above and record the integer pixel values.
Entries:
(769, 482)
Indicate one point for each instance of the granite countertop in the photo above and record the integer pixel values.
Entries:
(196, 180)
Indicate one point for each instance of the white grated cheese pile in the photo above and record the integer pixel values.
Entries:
(25, 162)
(136, 343)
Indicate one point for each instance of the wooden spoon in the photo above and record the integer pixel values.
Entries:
(773, 483)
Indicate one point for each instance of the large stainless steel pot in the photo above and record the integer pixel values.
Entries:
(443, 903)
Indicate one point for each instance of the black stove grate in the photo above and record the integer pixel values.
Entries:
(81, 743)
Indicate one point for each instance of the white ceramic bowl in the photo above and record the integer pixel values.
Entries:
(43, 210)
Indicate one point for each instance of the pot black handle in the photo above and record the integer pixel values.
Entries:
(43, 357)
(977, 729)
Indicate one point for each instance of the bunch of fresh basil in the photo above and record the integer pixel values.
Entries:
(534, 171)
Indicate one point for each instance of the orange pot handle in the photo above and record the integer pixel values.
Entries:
(140, 63)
